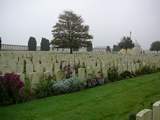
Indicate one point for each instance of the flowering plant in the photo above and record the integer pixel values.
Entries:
(10, 88)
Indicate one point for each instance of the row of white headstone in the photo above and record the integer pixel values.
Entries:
(48, 62)
(148, 114)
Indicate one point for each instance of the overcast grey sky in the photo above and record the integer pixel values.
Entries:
(109, 20)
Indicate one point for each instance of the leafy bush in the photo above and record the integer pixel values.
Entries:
(126, 74)
(158, 69)
(68, 85)
(27, 90)
(95, 80)
(44, 88)
(91, 82)
(113, 74)
(146, 70)
(132, 116)
(10, 88)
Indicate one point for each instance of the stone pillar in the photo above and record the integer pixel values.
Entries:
(156, 111)
(145, 114)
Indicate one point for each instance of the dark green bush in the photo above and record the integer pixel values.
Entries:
(158, 69)
(113, 74)
(132, 116)
(92, 80)
(27, 91)
(126, 74)
(43, 88)
(146, 70)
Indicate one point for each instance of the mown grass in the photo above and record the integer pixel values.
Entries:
(114, 101)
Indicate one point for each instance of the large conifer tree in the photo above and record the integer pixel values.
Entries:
(70, 32)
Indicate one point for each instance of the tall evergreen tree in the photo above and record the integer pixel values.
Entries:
(45, 44)
(32, 44)
(70, 32)
(155, 46)
(108, 49)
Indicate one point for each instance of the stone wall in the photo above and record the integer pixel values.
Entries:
(150, 114)
(9, 47)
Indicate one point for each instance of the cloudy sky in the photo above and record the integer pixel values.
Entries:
(109, 20)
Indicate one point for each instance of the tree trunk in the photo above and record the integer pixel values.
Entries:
(71, 50)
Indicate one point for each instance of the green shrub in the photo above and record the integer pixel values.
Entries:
(132, 116)
(126, 74)
(146, 70)
(91, 82)
(158, 69)
(27, 92)
(113, 74)
(44, 88)
(68, 85)
(94, 80)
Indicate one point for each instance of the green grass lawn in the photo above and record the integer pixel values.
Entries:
(114, 101)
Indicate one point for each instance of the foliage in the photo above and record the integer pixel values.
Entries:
(27, 90)
(116, 48)
(68, 70)
(126, 43)
(132, 116)
(114, 101)
(89, 46)
(70, 32)
(126, 74)
(32, 44)
(113, 74)
(45, 44)
(91, 82)
(155, 46)
(10, 88)
(95, 80)
(146, 69)
(68, 85)
(44, 88)
(108, 49)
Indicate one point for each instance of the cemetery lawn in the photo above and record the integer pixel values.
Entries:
(114, 101)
